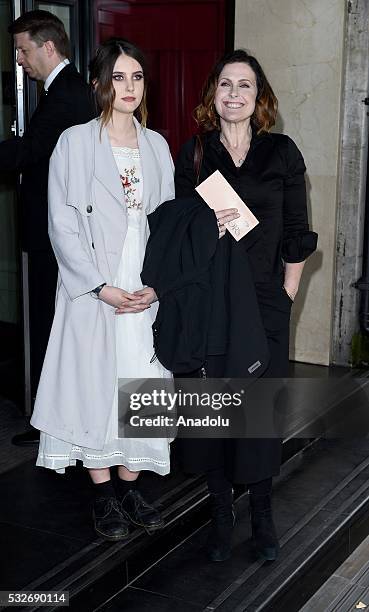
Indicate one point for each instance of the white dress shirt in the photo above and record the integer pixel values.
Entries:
(55, 73)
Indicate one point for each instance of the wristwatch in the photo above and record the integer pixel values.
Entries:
(96, 292)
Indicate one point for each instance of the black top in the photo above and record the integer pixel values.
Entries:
(68, 102)
(271, 182)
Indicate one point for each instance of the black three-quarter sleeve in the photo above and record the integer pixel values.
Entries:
(298, 241)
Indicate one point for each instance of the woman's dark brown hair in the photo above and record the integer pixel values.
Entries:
(266, 105)
(101, 76)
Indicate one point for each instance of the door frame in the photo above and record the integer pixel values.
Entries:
(31, 93)
(26, 102)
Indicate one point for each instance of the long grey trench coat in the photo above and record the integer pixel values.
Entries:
(87, 228)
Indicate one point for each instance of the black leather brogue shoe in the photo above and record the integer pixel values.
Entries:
(109, 521)
(137, 510)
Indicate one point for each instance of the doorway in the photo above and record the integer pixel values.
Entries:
(182, 40)
(11, 347)
(18, 100)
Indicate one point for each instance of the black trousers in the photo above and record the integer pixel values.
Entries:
(246, 461)
(42, 278)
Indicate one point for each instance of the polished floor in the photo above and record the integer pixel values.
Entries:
(47, 540)
(314, 500)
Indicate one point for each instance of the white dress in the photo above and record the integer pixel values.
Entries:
(134, 348)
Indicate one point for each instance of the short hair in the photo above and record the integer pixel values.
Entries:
(101, 76)
(266, 105)
(41, 27)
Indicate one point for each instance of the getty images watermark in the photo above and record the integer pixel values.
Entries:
(184, 409)
(166, 407)
(243, 408)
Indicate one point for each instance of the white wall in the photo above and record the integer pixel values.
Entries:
(300, 46)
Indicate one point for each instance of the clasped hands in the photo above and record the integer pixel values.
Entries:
(140, 300)
(124, 302)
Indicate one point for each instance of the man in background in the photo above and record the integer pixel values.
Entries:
(43, 52)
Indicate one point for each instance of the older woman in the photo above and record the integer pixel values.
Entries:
(105, 177)
(237, 111)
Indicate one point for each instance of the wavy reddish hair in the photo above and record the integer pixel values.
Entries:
(266, 105)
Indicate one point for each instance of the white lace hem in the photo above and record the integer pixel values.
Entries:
(59, 462)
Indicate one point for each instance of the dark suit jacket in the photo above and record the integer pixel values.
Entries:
(68, 102)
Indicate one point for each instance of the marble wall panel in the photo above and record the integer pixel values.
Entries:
(300, 46)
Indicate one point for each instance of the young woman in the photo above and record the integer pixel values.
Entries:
(105, 177)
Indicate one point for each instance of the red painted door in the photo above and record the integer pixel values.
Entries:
(182, 40)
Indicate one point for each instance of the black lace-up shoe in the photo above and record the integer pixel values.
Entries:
(136, 509)
(109, 521)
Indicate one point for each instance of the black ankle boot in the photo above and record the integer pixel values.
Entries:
(109, 522)
(137, 510)
(221, 527)
(264, 536)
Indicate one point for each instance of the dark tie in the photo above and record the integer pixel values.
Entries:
(42, 97)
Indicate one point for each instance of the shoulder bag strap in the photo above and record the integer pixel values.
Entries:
(197, 157)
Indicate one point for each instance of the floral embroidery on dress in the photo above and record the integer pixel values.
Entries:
(130, 187)
(128, 163)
